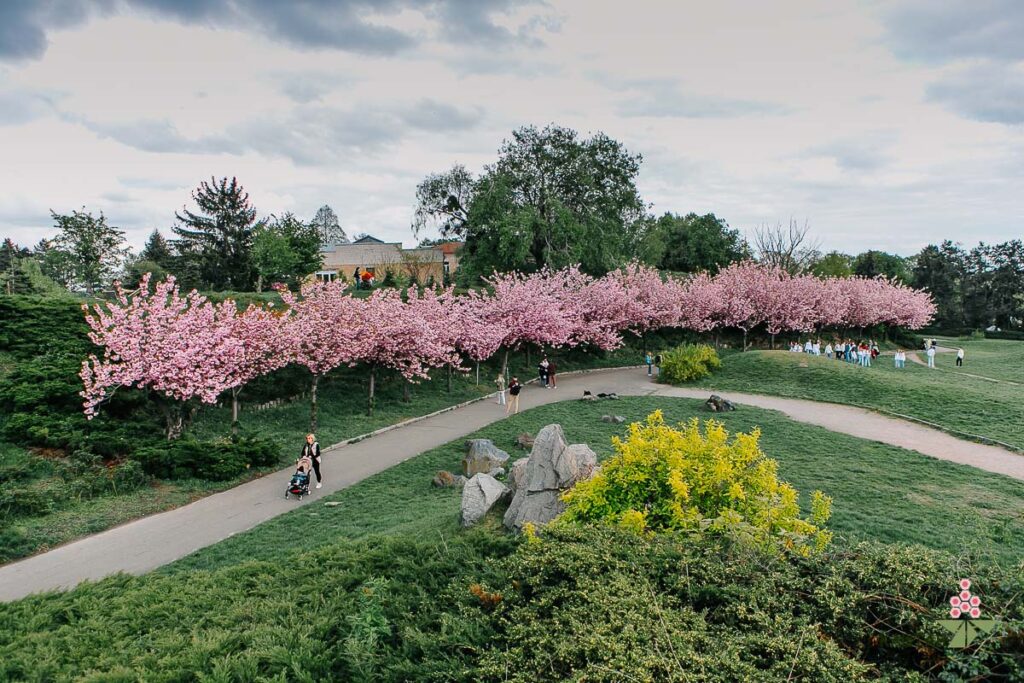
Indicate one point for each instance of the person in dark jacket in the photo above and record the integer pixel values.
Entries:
(311, 450)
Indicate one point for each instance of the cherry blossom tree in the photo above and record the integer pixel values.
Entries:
(322, 329)
(477, 338)
(651, 302)
(264, 348)
(177, 346)
(743, 290)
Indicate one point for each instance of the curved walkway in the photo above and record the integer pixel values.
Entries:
(143, 545)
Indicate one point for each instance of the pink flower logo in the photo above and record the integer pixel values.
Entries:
(964, 603)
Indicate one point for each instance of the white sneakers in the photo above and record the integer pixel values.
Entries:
(319, 485)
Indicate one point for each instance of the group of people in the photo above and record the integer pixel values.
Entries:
(546, 373)
(861, 353)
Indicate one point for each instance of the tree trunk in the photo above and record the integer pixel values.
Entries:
(773, 341)
(744, 340)
(174, 418)
(373, 379)
(449, 379)
(478, 373)
(528, 363)
(406, 396)
(312, 405)
(234, 410)
(504, 364)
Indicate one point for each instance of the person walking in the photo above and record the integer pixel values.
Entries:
(514, 387)
(551, 374)
(649, 362)
(542, 371)
(311, 450)
(499, 382)
(959, 358)
(931, 356)
(657, 364)
(828, 350)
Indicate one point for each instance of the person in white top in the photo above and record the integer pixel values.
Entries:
(828, 350)
(959, 358)
(816, 348)
(807, 346)
(931, 356)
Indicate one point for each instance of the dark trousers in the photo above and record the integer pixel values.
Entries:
(959, 362)
(316, 468)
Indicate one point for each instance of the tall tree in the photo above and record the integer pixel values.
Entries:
(833, 264)
(218, 239)
(874, 263)
(789, 248)
(56, 264)
(156, 250)
(329, 231)
(13, 279)
(551, 199)
(692, 243)
(941, 269)
(96, 249)
(285, 250)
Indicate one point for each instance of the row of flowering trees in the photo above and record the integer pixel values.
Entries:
(186, 347)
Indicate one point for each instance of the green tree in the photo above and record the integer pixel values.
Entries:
(330, 232)
(96, 249)
(551, 199)
(285, 249)
(833, 264)
(157, 250)
(941, 270)
(13, 279)
(874, 263)
(694, 243)
(56, 264)
(216, 242)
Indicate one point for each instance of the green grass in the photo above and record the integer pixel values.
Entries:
(994, 358)
(880, 492)
(959, 403)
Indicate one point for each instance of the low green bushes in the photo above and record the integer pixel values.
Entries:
(213, 460)
(581, 604)
(688, 362)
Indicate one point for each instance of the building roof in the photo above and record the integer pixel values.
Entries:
(368, 239)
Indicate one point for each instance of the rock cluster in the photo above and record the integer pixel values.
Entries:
(445, 479)
(539, 481)
(614, 419)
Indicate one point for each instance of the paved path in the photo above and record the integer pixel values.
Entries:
(142, 545)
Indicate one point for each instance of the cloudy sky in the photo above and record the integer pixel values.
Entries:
(884, 124)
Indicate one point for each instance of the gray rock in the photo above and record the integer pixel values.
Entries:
(524, 440)
(497, 472)
(539, 481)
(516, 473)
(616, 419)
(482, 456)
(479, 495)
(717, 404)
(445, 479)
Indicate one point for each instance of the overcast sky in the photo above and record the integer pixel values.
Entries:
(884, 124)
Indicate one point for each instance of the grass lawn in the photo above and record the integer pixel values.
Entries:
(960, 403)
(880, 492)
(999, 359)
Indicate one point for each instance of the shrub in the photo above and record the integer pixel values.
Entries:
(688, 362)
(684, 479)
(214, 460)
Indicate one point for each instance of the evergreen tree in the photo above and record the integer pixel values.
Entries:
(216, 242)
(13, 279)
(325, 222)
(156, 250)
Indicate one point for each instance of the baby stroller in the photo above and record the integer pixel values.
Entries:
(298, 486)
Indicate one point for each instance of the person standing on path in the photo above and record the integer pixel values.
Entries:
(551, 374)
(311, 450)
(542, 371)
(499, 382)
(514, 387)
(657, 364)
(931, 356)
(648, 361)
(959, 358)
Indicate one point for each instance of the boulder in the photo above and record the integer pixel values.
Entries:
(717, 404)
(482, 456)
(552, 468)
(479, 495)
(516, 473)
(614, 419)
(445, 479)
(524, 440)
(497, 472)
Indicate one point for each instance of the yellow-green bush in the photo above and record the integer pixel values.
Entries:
(699, 480)
(688, 362)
